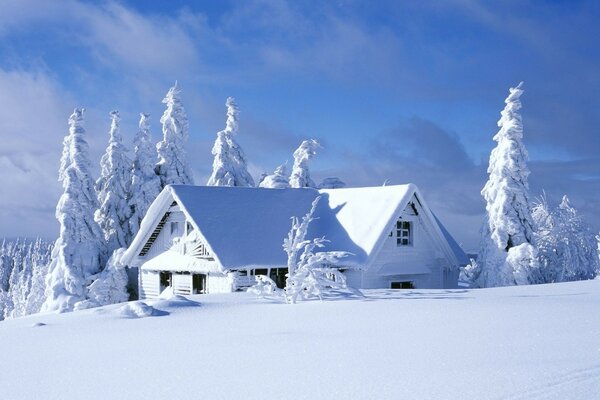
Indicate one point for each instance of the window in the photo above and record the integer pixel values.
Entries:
(260, 271)
(403, 233)
(402, 285)
(189, 227)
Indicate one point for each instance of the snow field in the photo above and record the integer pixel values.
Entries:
(525, 342)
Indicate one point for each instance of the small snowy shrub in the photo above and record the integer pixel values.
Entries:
(265, 287)
(309, 272)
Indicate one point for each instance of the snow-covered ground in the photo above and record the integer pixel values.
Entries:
(529, 342)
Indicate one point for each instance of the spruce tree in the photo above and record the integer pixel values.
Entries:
(506, 255)
(277, 180)
(113, 188)
(145, 184)
(172, 166)
(229, 165)
(79, 251)
(300, 176)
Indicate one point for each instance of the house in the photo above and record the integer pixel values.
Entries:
(209, 239)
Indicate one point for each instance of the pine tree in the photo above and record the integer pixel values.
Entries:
(300, 176)
(509, 226)
(40, 258)
(113, 188)
(172, 166)
(277, 180)
(229, 165)
(145, 184)
(79, 251)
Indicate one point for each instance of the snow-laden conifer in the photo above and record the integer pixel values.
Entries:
(300, 176)
(145, 184)
(508, 219)
(113, 188)
(309, 272)
(332, 183)
(277, 180)
(229, 165)
(40, 257)
(79, 252)
(172, 166)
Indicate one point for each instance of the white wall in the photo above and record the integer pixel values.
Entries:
(219, 283)
(408, 261)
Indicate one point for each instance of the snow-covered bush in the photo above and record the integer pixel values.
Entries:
(111, 285)
(172, 166)
(309, 272)
(277, 180)
(145, 184)
(300, 176)
(229, 165)
(568, 249)
(113, 188)
(79, 252)
(265, 287)
(508, 219)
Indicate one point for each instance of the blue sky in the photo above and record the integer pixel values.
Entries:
(408, 91)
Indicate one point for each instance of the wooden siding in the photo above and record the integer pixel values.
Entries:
(182, 284)
(149, 284)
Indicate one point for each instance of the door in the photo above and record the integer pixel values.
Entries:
(166, 280)
(198, 283)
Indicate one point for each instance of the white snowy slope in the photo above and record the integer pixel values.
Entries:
(524, 342)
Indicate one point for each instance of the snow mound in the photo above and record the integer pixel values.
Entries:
(167, 299)
(174, 302)
(139, 309)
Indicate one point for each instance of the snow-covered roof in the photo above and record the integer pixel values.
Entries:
(245, 227)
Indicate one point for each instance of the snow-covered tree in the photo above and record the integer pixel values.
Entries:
(111, 285)
(79, 252)
(145, 184)
(508, 222)
(172, 166)
(567, 246)
(300, 176)
(277, 180)
(40, 257)
(113, 188)
(309, 272)
(229, 165)
(21, 280)
(332, 183)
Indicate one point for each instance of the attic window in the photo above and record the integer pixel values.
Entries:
(190, 228)
(403, 233)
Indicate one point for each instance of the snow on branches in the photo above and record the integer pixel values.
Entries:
(508, 220)
(172, 166)
(310, 273)
(229, 165)
(145, 184)
(277, 180)
(300, 174)
(113, 187)
(79, 252)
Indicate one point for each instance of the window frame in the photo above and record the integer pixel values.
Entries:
(404, 233)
